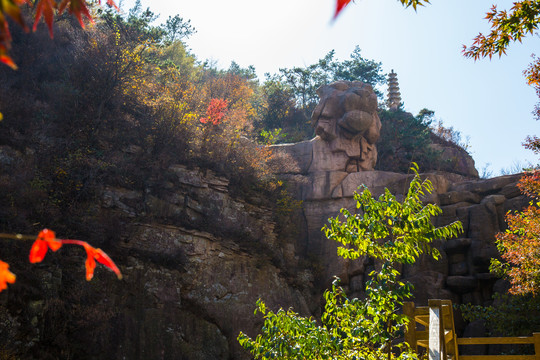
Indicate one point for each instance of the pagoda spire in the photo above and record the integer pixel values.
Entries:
(394, 96)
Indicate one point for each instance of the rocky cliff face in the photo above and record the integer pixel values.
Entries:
(454, 159)
(196, 256)
(462, 273)
(196, 259)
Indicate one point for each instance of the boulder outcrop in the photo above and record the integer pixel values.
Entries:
(347, 128)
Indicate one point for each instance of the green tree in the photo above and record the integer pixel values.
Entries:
(359, 69)
(305, 81)
(404, 139)
(509, 315)
(176, 29)
(300, 84)
(392, 233)
(279, 111)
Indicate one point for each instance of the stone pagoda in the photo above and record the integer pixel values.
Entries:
(394, 96)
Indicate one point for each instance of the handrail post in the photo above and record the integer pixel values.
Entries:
(410, 333)
(536, 337)
(451, 347)
(436, 341)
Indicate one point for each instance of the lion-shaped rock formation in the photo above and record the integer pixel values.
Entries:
(347, 127)
(346, 120)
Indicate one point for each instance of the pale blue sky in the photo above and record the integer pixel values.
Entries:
(488, 101)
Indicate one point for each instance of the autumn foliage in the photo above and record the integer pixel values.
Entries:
(46, 240)
(519, 245)
(116, 86)
(45, 9)
(215, 112)
(6, 276)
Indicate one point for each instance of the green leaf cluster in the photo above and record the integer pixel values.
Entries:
(390, 231)
(351, 329)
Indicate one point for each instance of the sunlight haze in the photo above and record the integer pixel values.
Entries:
(487, 101)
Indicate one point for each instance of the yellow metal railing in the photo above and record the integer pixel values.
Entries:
(432, 327)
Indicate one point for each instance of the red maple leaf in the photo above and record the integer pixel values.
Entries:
(77, 8)
(6, 59)
(47, 240)
(45, 8)
(93, 254)
(340, 5)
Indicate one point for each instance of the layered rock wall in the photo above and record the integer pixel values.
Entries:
(462, 273)
(196, 259)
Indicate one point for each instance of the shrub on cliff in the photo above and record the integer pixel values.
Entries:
(404, 139)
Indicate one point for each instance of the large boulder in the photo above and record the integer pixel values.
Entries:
(347, 128)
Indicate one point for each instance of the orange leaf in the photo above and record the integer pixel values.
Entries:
(112, 4)
(5, 59)
(90, 263)
(38, 251)
(94, 254)
(104, 259)
(6, 276)
(45, 8)
(50, 237)
(46, 240)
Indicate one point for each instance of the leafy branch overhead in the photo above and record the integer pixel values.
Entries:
(341, 4)
(506, 27)
(45, 9)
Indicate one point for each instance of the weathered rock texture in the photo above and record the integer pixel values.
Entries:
(462, 273)
(454, 159)
(196, 259)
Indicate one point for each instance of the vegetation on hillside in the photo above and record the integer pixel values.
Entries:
(116, 104)
(292, 93)
(119, 102)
